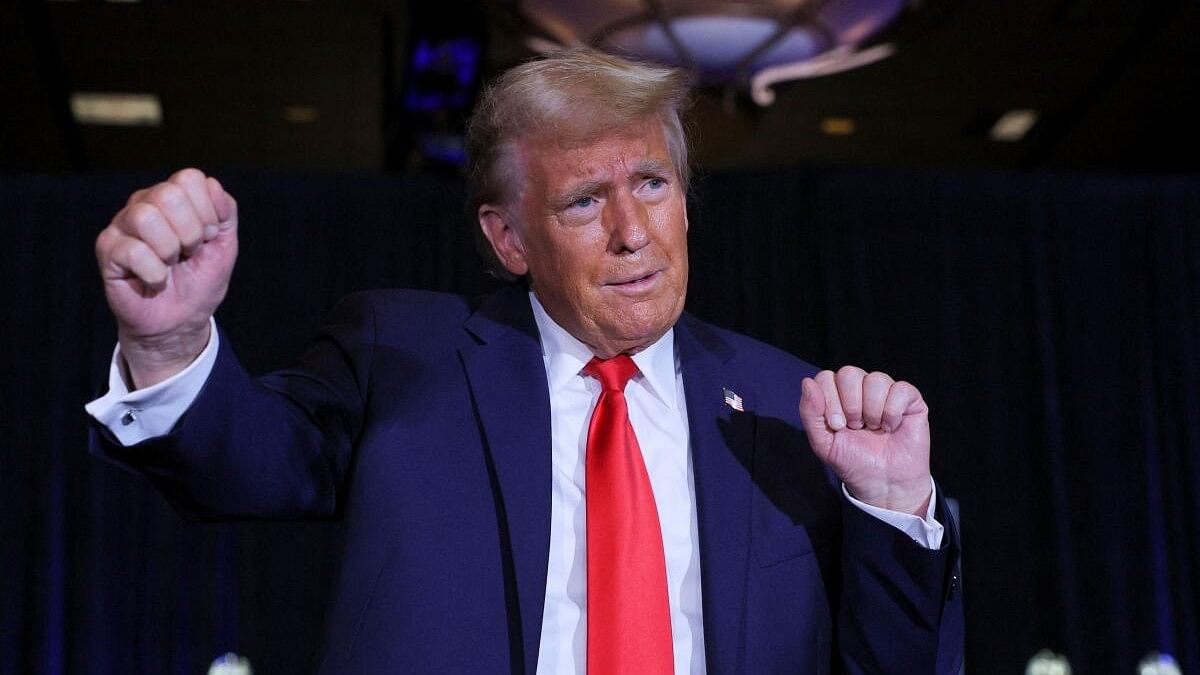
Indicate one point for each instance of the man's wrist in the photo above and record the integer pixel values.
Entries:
(148, 360)
(912, 499)
(135, 416)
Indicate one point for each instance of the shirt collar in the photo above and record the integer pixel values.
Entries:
(565, 356)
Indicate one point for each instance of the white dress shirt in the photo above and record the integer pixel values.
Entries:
(134, 416)
(658, 414)
(659, 417)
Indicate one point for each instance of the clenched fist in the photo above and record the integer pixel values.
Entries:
(874, 433)
(166, 260)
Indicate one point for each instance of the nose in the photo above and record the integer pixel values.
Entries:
(628, 223)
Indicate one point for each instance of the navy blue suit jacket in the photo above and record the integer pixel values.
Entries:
(423, 420)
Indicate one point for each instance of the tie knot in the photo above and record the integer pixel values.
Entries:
(613, 373)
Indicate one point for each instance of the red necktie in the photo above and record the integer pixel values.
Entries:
(628, 614)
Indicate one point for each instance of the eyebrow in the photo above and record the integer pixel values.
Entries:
(577, 192)
(654, 167)
(645, 167)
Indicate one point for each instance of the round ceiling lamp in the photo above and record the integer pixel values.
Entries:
(753, 43)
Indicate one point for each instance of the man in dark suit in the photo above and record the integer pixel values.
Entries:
(570, 474)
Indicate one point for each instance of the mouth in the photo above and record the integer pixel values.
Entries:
(635, 282)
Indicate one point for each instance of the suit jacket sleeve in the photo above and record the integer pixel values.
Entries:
(277, 447)
(900, 609)
(830, 587)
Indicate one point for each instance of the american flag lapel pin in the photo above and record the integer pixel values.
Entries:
(733, 400)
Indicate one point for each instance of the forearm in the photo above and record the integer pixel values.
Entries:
(271, 448)
(242, 450)
(900, 608)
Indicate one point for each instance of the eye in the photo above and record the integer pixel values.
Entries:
(581, 209)
(654, 189)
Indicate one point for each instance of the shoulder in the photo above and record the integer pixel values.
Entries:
(402, 304)
(769, 371)
(746, 353)
(396, 315)
(433, 320)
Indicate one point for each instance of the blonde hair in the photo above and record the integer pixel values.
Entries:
(571, 95)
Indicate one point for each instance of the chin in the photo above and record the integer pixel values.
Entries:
(643, 334)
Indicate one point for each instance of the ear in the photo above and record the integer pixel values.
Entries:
(502, 234)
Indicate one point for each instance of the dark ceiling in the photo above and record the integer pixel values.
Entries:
(1114, 84)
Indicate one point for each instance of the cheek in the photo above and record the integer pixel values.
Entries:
(670, 220)
(566, 272)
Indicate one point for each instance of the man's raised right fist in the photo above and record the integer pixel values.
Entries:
(165, 261)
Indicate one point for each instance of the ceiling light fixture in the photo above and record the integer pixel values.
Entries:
(750, 44)
(838, 126)
(299, 113)
(122, 110)
(1013, 125)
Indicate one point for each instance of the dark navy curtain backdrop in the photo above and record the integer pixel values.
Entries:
(1053, 323)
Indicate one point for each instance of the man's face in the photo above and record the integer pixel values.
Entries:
(601, 229)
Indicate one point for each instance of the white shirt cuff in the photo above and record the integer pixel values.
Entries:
(146, 413)
(926, 531)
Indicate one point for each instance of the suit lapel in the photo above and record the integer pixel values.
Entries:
(722, 443)
(508, 381)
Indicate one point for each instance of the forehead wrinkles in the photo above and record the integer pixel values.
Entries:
(612, 158)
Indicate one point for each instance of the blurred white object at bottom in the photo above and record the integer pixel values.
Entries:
(230, 664)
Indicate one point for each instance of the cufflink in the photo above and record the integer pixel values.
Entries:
(128, 418)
